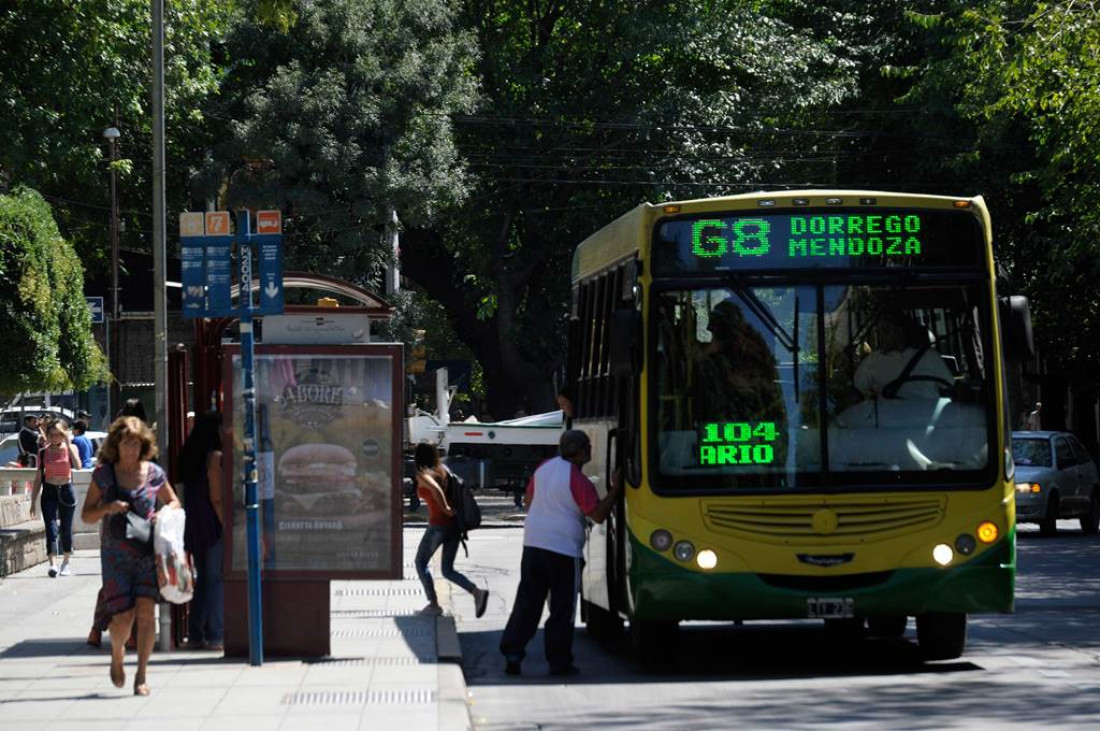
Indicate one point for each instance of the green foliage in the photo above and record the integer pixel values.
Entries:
(46, 327)
(1032, 98)
(341, 114)
(71, 68)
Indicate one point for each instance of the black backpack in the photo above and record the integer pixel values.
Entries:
(461, 498)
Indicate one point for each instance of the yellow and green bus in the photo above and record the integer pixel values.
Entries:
(805, 393)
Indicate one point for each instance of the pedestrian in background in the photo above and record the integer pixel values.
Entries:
(1034, 420)
(127, 481)
(54, 479)
(200, 468)
(83, 444)
(431, 477)
(559, 497)
(31, 439)
(133, 407)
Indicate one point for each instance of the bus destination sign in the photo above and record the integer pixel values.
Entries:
(833, 239)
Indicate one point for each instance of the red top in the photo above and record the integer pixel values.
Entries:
(430, 496)
(57, 467)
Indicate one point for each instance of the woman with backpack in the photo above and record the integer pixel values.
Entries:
(431, 480)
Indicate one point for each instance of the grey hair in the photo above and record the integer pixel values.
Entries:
(572, 443)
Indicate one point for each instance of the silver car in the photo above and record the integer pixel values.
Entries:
(1055, 478)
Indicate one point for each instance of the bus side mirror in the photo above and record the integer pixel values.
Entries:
(626, 342)
(1016, 328)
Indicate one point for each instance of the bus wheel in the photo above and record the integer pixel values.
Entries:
(653, 642)
(1090, 522)
(600, 623)
(1048, 526)
(941, 635)
(889, 626)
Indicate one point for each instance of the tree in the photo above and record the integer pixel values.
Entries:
(339, 116)
(590, 109)
(45, 326)
(71, 68)
(1032, 99)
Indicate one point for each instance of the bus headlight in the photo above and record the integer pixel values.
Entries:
(684, 550)
(707, 559)
(942, 554)
(988, 531)
(660, 539)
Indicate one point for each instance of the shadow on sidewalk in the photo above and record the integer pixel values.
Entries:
(55, 647)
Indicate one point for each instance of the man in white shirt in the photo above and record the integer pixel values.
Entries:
(928, 378)
(559, 497)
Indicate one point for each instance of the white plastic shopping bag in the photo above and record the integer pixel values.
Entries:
(175, 572)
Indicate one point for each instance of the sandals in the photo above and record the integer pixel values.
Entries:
(140, 688)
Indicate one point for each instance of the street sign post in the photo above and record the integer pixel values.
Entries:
(207, 246)
(95, 308)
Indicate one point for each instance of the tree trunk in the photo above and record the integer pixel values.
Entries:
(511, 381)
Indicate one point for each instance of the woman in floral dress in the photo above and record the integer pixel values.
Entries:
(127, 481)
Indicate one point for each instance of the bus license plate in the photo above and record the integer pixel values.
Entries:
(831, 608)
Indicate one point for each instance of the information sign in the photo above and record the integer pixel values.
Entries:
(95, 308)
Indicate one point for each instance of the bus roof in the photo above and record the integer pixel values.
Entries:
(621, 239)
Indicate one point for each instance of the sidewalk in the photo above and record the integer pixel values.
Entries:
(390, 669)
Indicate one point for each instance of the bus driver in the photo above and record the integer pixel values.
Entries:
(904, 365)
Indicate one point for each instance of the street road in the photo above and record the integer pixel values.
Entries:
(1038, 667)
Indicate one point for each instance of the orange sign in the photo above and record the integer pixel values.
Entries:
(269, 222)
(217, 223)
(190, 224)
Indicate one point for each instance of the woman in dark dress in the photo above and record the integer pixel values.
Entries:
(126, 480)
(200, 468)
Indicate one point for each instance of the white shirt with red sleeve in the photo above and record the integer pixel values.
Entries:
(560, 498)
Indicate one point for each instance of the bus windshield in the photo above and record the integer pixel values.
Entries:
(809, 385)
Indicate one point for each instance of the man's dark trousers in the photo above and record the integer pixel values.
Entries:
(543, 572)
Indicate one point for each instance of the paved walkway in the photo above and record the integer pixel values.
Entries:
(391, 669)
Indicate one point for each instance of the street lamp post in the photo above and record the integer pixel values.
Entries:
(113, 400)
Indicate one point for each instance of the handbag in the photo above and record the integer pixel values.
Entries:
(138, 529)
(131, 526)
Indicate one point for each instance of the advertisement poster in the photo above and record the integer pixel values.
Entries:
(328, 454)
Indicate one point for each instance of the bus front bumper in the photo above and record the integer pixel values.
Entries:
(663, 590)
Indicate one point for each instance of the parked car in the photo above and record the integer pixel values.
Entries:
(11, 418)
(9, 447)
(1056, 478)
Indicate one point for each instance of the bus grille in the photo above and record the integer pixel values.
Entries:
(839, 520)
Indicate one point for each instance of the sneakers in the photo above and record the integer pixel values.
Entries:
(481, 601)
(511, 667)
(432, 610)
(65, 570)
(52, 572)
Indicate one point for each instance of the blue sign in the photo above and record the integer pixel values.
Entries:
(219, 268)
(270, 254)
(192, 276)
(95, 307)
(207, 264)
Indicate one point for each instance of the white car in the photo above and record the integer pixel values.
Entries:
(9, 447)
(11, 418)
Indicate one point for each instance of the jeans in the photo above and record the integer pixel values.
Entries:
(206, 618)
(58, 502)
(435, 537)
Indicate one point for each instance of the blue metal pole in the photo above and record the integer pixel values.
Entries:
(251, 500)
